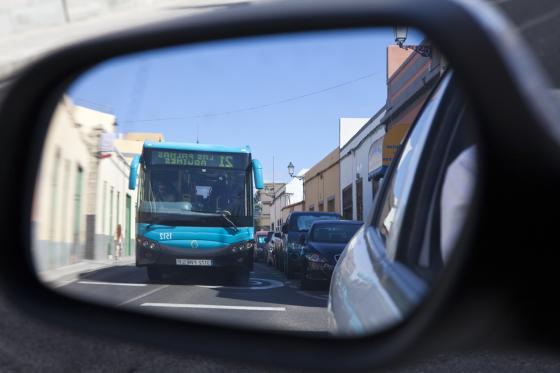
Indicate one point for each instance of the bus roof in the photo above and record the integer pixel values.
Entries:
(195, 147)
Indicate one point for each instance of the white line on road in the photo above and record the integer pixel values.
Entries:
(110, 283)
(212, 306)
(142, 296)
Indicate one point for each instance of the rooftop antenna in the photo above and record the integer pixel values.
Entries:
(197, 133)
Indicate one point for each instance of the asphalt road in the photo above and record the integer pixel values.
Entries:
(270, 301)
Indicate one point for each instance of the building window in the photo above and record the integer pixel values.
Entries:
(347, 202)
(321, 206)
(359, 200)
(330, 204)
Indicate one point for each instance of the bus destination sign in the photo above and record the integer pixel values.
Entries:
(199, 159)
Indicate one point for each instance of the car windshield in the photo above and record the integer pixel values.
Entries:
(269, 236)
(303, 222)
(333, 233)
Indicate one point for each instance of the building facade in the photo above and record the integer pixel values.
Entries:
(322, 184)
(82, 194)
(357, 187)
(58, 217)
(288, 194)
(410, 79)
(263, 205)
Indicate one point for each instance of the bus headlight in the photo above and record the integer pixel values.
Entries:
(148, 244)
(249, 244)
(315, 258)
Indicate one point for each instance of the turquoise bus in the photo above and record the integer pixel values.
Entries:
(195, 207)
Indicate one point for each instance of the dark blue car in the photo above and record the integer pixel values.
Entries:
(321, 248)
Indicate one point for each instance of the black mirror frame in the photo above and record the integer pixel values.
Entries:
(459, 28)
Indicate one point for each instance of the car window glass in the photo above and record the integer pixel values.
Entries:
(303, 222)
(339, 233)
(398, 189)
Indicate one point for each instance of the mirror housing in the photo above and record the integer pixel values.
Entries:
(471, 35)
(257, 174)
(133, 172)
(302, 239)
(285, 228)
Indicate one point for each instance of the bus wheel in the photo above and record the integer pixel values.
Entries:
(154, 274)
(241, 276)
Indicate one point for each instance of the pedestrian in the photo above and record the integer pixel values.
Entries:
(118, 242)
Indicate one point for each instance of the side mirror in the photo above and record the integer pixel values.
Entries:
(302, 238)
(257, 174)
(285, 228)
(133, 172)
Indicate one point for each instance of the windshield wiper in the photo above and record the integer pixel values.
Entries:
(226, 214)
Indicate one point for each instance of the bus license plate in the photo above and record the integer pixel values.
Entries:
(194, 262)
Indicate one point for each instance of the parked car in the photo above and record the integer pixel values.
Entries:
(273, 248)
(297, 223)
(386, 269)
(260, 242)
(321, 249)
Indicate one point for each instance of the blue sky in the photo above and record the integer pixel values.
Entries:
(281, 95)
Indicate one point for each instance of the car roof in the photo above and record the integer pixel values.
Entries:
(341, 222)
(313, 213)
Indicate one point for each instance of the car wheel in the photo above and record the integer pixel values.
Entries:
(154, 274)
(305, 284)
(290, 274)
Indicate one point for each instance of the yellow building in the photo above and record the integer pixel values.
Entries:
(321, 186)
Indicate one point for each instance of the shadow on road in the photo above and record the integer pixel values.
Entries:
(266, 285)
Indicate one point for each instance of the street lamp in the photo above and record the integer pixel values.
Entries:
(401, 33)
(291, 172)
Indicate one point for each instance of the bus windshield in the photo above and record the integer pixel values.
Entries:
(196, 191)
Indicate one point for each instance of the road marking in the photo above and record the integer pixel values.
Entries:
(255, 284)
(212, 306)
(110, 283)
(142, 296)
(320, 297)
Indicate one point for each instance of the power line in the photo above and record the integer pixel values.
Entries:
(257, 107)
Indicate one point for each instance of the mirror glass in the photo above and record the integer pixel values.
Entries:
(308, 182)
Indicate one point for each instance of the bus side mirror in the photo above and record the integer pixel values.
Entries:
(133, 172)
(257, 174)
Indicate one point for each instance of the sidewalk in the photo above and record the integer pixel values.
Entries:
(63, 275)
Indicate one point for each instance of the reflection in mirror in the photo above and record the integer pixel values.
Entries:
(274, 182)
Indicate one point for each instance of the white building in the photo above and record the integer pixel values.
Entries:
(358, 164)
(289, 194)
(82, 190)
(58, 221)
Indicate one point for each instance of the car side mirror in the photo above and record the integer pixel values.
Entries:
(302, 239)
(72, 214)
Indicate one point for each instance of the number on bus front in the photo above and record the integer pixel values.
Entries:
(166, 236)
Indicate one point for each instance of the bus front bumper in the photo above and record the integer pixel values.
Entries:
(228, 256)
